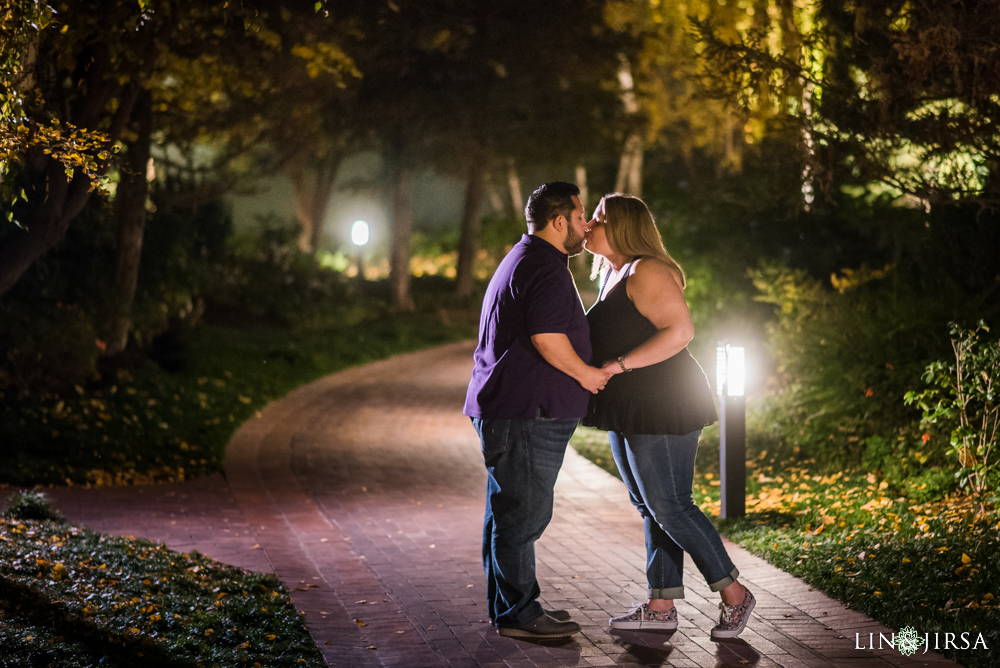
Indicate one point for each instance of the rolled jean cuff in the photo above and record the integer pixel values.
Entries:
(726, 581)
(668, 593)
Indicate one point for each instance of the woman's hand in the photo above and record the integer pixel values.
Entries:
(612, 368)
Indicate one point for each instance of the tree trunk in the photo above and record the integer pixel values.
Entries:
(583, 259)
(496, 203)
(313, 188)
(301, 194)
(581, 183)
(630, 167)
(402, 228)
(796, 92)
(133, 191)
(62, 197)
(514, 185)
(468, 242)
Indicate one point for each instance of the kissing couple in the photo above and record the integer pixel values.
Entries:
(542, 365)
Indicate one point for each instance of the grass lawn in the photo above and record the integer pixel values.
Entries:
(931, 565)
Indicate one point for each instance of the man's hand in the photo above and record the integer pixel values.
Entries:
(593, 379)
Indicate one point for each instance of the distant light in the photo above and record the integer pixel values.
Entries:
(730, 370)
(359, 233)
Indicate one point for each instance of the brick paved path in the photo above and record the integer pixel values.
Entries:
(364, 492)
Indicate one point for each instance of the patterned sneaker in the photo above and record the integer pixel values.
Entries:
(641, 617)
(733, 618)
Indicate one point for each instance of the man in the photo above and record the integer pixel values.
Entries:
(530, 385)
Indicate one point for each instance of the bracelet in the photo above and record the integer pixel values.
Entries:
(621, 363)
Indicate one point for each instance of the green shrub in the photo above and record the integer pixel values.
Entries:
(46, 346)
(181, 253)
(30, 505)
(962, 403)
(268, 279)
(845, 357)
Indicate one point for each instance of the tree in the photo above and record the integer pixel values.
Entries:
(195, 69)
(133, 192)
(514, 84)
(103, 57)
(894, 97)
(658, 82)
(469, 229)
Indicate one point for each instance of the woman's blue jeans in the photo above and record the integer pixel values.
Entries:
(523, 458)
(659, 471)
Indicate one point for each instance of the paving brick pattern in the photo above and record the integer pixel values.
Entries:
(364, 492)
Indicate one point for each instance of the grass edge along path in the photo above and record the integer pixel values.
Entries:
(152, 424)
(71, 597)
(931, 566)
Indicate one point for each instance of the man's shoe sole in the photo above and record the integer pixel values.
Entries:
(522, 633)
(643, 626)
(725, 635)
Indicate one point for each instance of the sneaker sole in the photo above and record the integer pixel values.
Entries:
(646, 626)
(521, 633)
(735, 632)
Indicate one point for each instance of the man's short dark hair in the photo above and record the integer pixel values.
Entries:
(548, 202)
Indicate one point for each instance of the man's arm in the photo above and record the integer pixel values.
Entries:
(558, 351)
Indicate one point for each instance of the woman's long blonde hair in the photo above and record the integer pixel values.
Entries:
(631, 231)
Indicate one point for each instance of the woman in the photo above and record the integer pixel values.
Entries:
(654, 408)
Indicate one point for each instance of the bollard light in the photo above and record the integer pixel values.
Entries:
(730, 370)
(359, 233)
(359, 237)
(730, 383)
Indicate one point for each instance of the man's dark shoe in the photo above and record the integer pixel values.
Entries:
(543, 627)
(558, 615)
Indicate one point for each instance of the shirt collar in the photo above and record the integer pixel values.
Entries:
(532, 241)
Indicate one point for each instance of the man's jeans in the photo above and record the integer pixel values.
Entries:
(659, 471)
(522, 458)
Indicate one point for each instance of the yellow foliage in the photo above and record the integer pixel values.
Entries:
(851, 279)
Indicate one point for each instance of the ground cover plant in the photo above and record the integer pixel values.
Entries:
(70, 597)
(930, 563)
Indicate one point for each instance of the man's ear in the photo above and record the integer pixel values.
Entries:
(559, 222)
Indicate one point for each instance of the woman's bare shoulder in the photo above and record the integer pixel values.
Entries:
(653, 272)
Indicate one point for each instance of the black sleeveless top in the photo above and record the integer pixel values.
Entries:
(669, 397)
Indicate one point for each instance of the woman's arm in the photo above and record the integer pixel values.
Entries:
(655, 289)
(558, 351)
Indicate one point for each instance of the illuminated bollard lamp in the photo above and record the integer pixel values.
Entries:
(359, 237)
(730, 383)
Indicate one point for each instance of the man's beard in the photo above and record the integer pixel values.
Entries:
(573, 243)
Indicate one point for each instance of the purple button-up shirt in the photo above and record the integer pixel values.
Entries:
(532, 292)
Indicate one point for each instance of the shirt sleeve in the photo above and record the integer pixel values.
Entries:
(551, 301)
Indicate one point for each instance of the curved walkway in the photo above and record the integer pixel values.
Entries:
(364, 493)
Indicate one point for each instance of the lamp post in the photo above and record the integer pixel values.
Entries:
(730, 383)
(359, 237)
